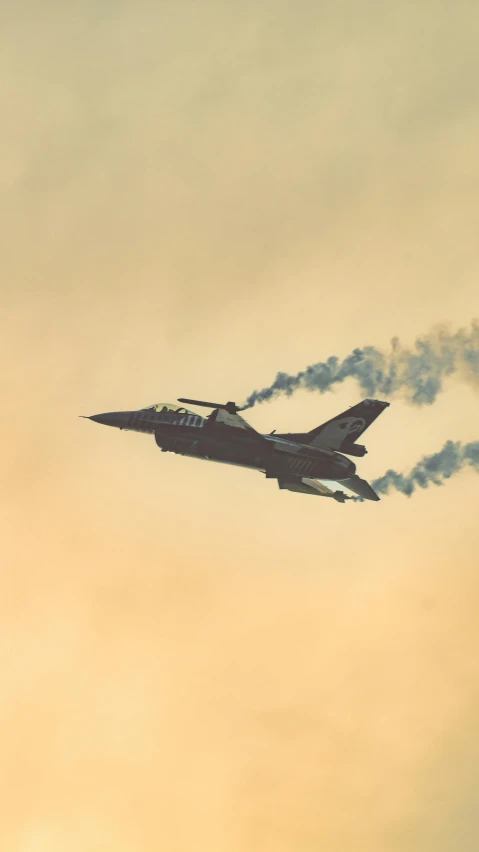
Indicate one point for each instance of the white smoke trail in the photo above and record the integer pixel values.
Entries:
(434, 469)
(416, 374)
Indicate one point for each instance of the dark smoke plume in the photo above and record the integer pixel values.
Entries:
(431, 469)
(416, 374)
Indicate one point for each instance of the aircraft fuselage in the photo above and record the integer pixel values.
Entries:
(191, 435)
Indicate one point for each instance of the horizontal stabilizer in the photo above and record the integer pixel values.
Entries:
(361, 487)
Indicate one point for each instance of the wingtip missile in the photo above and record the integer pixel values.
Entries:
(230, 407)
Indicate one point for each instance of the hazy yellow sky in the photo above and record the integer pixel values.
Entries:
(194, 196)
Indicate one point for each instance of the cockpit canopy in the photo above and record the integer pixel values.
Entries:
(164, 407)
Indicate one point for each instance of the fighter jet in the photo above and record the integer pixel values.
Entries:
(298, 461)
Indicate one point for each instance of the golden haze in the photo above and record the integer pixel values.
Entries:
(195, 195)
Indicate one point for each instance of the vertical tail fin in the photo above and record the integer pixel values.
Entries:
(341, 432)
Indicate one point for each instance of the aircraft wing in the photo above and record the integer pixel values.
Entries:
(320, 487)
(239, 427)
(311, 486)
(227, 415)
(230, 419)
(314, 486)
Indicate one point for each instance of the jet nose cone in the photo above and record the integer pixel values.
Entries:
(111, 418)
(105, 419)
